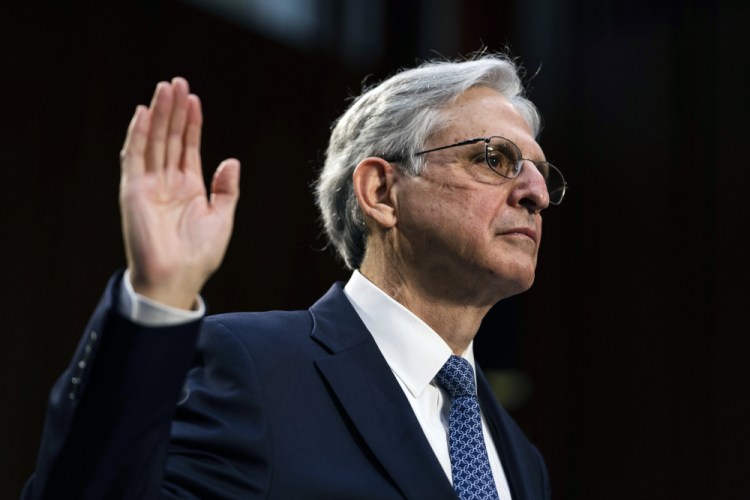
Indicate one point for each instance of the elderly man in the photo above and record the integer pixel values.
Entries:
(432, 193)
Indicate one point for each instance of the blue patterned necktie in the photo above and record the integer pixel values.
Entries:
(472, 476)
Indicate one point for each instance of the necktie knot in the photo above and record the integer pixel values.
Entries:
(457, 377)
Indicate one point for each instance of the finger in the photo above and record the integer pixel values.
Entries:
(225, 186)
(134, 148)
(161, 109)
(177, 122)
(193, 130)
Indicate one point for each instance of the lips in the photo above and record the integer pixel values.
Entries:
(521, 231)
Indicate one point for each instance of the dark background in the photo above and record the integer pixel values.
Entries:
(632, 343)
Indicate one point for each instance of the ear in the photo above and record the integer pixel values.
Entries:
(373, 181)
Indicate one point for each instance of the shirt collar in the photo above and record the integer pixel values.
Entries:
(413, 350)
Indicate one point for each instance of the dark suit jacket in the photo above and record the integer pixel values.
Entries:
(270, 405)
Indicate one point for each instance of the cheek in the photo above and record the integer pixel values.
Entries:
(463, 214)
(453, 215)
(489, 210)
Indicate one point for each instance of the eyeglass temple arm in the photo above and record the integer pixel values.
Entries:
(462, 143)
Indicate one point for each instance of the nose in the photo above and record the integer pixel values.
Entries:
(530, 189)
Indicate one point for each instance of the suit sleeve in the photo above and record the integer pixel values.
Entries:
(220, 445)
(106, 432)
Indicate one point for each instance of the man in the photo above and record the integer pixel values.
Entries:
(432, 191)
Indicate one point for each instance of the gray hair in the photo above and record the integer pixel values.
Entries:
(394, 120)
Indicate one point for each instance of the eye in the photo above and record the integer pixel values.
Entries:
(479, 158)
(494, 160)
(501, 162)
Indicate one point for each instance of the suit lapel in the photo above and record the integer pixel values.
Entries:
(504, 441)
(363, 383)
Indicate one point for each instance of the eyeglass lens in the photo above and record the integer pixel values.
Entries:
(504, 158)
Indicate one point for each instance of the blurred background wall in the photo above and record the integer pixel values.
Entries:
(625, 364)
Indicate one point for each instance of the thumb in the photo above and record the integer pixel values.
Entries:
(225, 186)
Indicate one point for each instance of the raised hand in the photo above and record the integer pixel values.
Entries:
(175, 236)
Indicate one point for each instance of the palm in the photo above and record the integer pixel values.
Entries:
(175, 237)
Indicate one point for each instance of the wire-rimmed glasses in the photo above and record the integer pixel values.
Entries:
(504, 158)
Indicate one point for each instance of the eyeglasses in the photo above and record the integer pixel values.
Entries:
(505, 159)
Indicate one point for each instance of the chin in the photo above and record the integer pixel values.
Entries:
(514, 280)
(519, 286)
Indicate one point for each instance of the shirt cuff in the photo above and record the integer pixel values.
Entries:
(147, 312)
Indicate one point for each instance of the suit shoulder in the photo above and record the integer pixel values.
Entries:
(268, 322)
(260, 326)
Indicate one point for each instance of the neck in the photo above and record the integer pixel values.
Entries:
(454, 315)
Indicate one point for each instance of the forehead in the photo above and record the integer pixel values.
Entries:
(484, 112)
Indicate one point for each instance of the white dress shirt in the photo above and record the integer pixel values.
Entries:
(416, 353)
(147, 312)
(398, 333)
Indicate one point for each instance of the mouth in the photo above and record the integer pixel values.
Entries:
(521, 232)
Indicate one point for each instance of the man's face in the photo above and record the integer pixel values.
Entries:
(468, 236)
